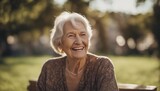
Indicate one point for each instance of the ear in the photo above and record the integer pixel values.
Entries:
(60, 46)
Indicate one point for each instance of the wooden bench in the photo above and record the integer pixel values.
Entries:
(122, 87)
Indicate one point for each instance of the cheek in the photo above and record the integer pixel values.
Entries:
(67, 44)
(86, 42)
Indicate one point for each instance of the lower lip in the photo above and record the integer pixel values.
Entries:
(78, 50)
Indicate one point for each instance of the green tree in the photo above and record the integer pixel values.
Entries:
(21, 15)
(156, 22)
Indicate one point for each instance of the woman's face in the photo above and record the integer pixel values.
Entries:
(75, 40)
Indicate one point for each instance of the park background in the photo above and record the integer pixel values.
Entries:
(128, 31)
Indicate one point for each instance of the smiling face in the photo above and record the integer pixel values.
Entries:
(75, 40)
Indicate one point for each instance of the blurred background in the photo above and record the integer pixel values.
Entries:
(128, 31)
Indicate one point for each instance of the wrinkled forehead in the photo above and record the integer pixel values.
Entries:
(77, 24)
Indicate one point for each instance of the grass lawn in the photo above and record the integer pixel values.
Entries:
(16, 71)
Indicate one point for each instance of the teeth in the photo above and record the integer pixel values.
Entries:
(78, 48)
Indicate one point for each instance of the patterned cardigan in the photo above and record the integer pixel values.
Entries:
(98, 75)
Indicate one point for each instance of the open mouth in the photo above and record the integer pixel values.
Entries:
(77, 48)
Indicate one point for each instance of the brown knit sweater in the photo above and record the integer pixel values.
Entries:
(98, 75)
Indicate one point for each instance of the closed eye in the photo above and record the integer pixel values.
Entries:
(70, 35)
(83, 34)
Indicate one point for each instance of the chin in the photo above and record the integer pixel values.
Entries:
(79, 56)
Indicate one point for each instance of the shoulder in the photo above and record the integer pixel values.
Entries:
(105, 60)
(53, 62)
(102, 61)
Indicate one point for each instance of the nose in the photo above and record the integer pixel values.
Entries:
(78, 40)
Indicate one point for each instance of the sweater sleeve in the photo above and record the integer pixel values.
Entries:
(41, 83)
(106, 77)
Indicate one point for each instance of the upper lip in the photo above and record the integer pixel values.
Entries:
(78, 48)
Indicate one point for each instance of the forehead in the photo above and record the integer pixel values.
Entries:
(77, 25)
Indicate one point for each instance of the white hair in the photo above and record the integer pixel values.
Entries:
(57, 31)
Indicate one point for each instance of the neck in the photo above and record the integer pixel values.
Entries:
(75, 65)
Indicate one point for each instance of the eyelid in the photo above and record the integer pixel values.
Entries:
(70, 34)
(83, 33)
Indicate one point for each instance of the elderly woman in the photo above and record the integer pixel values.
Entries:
(76, 70)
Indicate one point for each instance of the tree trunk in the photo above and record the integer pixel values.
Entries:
(156, 25)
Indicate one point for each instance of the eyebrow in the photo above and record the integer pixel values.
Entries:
(83, 32)
(69, 33)
(73, 32)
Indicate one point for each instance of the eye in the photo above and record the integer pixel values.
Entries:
(70, 35)
(83, 34)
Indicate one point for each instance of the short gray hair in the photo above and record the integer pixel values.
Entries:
(57, 31)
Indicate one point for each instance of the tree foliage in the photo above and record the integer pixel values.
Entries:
(29, 15)
(22, 15)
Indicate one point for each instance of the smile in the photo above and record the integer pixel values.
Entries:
(77, 48)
